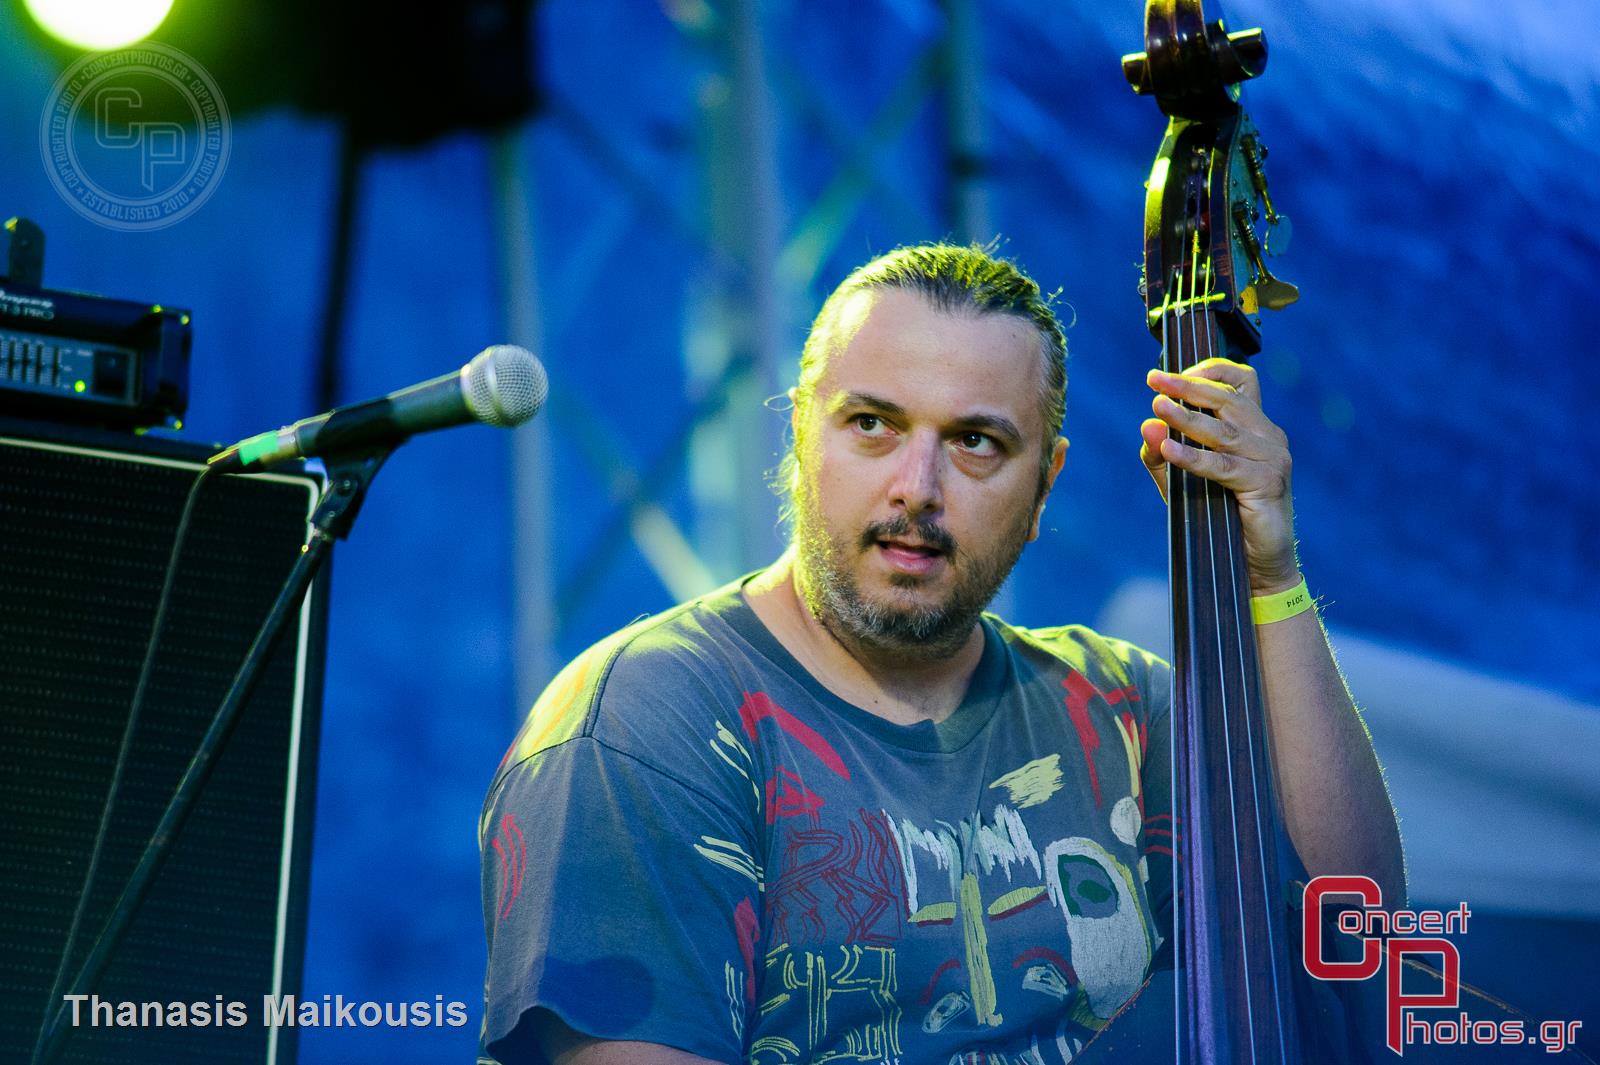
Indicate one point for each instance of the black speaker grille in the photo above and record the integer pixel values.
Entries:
(85, 538)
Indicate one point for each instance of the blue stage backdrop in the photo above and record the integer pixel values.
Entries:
(1437, 159)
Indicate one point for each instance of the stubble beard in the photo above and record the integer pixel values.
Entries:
(912, 632)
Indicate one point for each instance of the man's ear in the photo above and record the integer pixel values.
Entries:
(794, 411)
(1058, 458)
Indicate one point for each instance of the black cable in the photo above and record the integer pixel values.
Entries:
(122, 758)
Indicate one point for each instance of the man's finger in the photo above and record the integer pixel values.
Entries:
(1230, 471)
(1197, 391)
(1153, 431)
(1238, 375)
(1196, 425)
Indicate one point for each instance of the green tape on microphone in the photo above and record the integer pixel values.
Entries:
(257, 447)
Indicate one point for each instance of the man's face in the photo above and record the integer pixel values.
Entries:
(918, 470)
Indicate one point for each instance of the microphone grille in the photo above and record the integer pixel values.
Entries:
(504, 385)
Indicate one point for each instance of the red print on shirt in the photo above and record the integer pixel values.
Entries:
(513, 852)
(788, 796)
(758, 706)
(1079, 692)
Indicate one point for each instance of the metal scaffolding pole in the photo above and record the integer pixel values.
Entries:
(533, 610)
(759, 435)
(740, 317)
(969, 195)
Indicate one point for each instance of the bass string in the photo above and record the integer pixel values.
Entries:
(1180, 489)
(1211, 498)
(1195, 824)
(1246, 681)
(1182, 1019)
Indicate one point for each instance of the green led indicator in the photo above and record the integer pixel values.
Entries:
(79, 386)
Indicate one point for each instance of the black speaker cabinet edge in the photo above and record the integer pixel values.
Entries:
(87, 519)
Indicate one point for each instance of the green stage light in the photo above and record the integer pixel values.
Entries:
(98, 25)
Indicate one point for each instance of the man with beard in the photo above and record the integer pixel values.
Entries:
(835, 811)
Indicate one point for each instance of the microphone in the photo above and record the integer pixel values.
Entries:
(502, 386)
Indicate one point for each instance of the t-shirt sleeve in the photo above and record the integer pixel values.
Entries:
(619, 898)
(1161, 830)
(1153, 677)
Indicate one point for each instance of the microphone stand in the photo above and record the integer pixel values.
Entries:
(350, 475)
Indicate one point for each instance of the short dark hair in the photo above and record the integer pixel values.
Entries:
(957, 280)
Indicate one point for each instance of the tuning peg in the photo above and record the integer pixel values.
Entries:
(1265, 290)
(1272, 293)
(1240, 55)
(1136, 68)
(1237, 57)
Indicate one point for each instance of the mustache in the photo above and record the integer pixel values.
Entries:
(928, 531)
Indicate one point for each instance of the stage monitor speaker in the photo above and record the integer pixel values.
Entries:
(87, 521)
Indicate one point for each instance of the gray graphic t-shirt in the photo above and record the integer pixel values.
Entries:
(692, 842)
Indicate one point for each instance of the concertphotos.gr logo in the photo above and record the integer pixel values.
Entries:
(135, 139)
(1388, 938)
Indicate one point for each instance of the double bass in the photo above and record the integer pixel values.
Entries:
(1238, 990)
(1209, 227)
